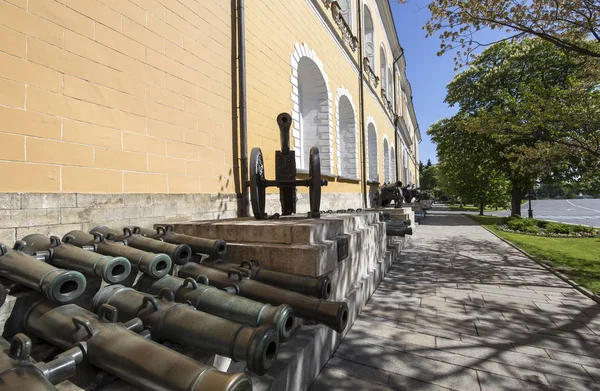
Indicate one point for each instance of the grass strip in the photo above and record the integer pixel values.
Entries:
(578, 258)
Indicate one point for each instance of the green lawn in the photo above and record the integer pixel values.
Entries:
(578, 258)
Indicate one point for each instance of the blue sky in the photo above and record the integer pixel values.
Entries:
(428, 74)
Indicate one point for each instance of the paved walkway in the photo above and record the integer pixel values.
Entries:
(462, 310)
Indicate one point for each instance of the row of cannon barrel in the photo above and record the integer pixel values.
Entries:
(397, 193)
(108, 299)
(393, 226)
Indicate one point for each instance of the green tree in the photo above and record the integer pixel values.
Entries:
(468, 167)
(540, 106)
(564, 23)
(428, 177)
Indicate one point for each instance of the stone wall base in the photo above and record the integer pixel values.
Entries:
(22, 214)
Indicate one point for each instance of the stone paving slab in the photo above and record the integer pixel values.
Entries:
(462, 310)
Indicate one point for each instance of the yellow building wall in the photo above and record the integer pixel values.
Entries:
(111, 96)
(272, 31)
(135, 96)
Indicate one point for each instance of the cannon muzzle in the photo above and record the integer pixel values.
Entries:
(329, 313)
(218, 302)
(62, 286)
(319, 287)
(284, 120)
(179, 253)
(154, 265)
(111, 269)
(183, 324)
(214, 248)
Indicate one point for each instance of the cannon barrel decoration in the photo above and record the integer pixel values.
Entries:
(215, 248)
(387, 193)
(154, 265)
(218, 302)
(184, 325)
(179, 253)
(285, 176)
(330, 313)
(319, 287)
(62, 286)
(111, 269)
(117, 349)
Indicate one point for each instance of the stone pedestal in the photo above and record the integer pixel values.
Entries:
(310, 246)
(303, 246)
(403, 213)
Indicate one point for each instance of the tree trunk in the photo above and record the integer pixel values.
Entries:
(481, 208)
(516, 197)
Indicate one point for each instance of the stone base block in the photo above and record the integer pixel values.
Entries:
(303, 246)
(301, 359)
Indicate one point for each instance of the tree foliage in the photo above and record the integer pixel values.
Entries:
(468, 166)
(428, 176)
(565, 23)
(540, 107)
(541, 103)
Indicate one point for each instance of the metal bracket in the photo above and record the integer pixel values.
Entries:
(85, 324)
(108, 313)
(20, 347)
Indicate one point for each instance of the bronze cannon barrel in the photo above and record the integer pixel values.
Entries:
(60, 285)
(111, 269)
(116, 349)
(179, 253)
(391, 186)
(214, 248)
(398, 231)
(284, 120)
(330, 313)
(19, 372)
(319, 287)
(183, 324)
(154, 265)
(217, 302)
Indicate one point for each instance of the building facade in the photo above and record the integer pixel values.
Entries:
(128, 111)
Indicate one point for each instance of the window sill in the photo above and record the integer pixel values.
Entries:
(304, 172)
(348, 179)
(373, 183)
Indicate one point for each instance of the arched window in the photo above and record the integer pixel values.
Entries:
(372, 153)
(347, 145)
(369, 37)
(314, 113)
(383, 70)
(393, 166)
(346, 11)
(386, 161)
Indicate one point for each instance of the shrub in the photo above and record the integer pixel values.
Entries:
(520, 224)
(559, 228)
(583, 229)
(531, 229)
(540, 223)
